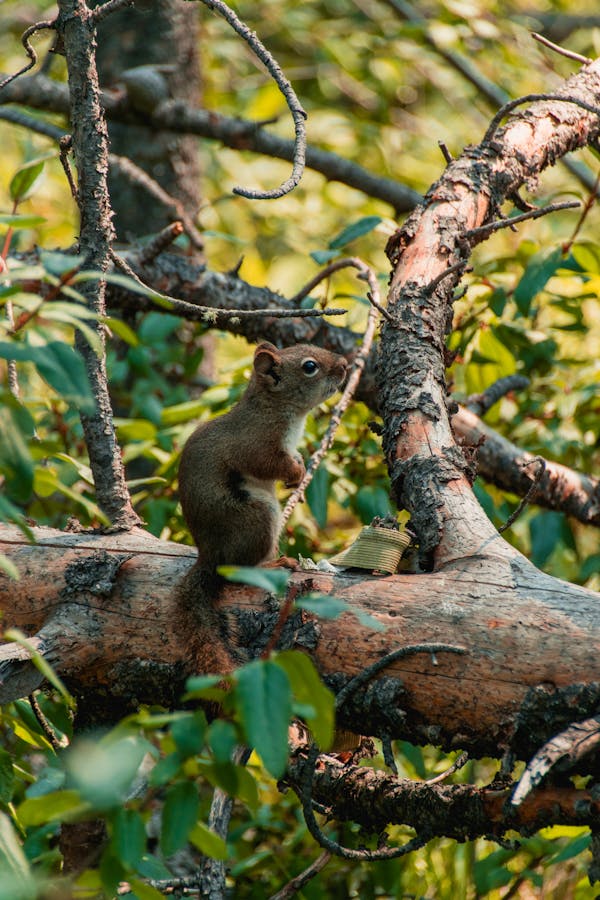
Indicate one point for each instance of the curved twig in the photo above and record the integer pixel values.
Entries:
(29, 49)
(532, 98)
(358, 366)
(313, 754)
(298, 113)
(570, 54)
(213, 316)
(536, 213)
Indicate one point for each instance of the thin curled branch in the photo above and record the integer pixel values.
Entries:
(298, 113)
(29, 49)
(533, 98)
(309, 767)
(536, 481)
(295, 884)
(213, 316)
(536, 213)
(358, 366)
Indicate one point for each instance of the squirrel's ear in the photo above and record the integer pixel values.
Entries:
(266, 359)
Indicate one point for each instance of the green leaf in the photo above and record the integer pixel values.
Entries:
(332, 607)
(60, 365)
(317, 494)
(165, 769)
(272, 580)
(180, 814)
(207, 842)
(590, 566)
(16, 882)
(353, 231)
(143, 891)
(24, 179)
(18, 223)
(548, 529)
(16, 463)
(58, 264)
(52, 807)
(41, 664)
(129, 837)
(122, 330)
(309, 689)
(222, 739)
(7, 777)
(322, 257)
(8, 567)
(264, 702)
(540, 269)
(372, 501)
(189, 733)
(103, 771)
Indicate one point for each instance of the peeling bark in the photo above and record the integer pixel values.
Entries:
(102, 608)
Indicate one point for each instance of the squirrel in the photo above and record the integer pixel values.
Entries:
(227, 475)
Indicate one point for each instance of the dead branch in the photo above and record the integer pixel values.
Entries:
(43, 93)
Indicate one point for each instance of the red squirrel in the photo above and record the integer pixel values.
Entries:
(227, 476)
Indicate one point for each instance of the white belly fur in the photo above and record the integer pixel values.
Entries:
(294, 434)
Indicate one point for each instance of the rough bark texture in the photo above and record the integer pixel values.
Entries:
(430, 475)
(90, 148)
(102, 606)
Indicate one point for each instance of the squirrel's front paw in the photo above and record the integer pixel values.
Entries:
(297, 472)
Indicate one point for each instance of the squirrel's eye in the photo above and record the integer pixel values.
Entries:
(310, 367)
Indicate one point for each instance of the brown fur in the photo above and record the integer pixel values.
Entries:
(227, 476)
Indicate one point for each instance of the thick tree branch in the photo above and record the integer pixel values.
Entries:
(41, 92)
(90, 146)
(430, 475)
(101, 610)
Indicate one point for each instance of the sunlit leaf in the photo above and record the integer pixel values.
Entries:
(309, 689)
(180, 813)
(23, 181)
(264, 701)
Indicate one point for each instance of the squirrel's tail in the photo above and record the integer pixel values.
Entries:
(201, 628)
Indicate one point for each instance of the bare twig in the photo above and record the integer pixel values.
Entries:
(309, 767)
(295, 884)
(112, 6)
(531, 214)
(584, 214)
(358, 366)
(570, 54)
(29, 49)
(160, 242)
(480, 403)
(536, 481)
(66, 145)
(345, 263)
(458, 763)
(445, 152)
(213, 316)
(138, 176)
(18, 117)
(533, 98)
(298, 113)
(456, 267)
(45, 725)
